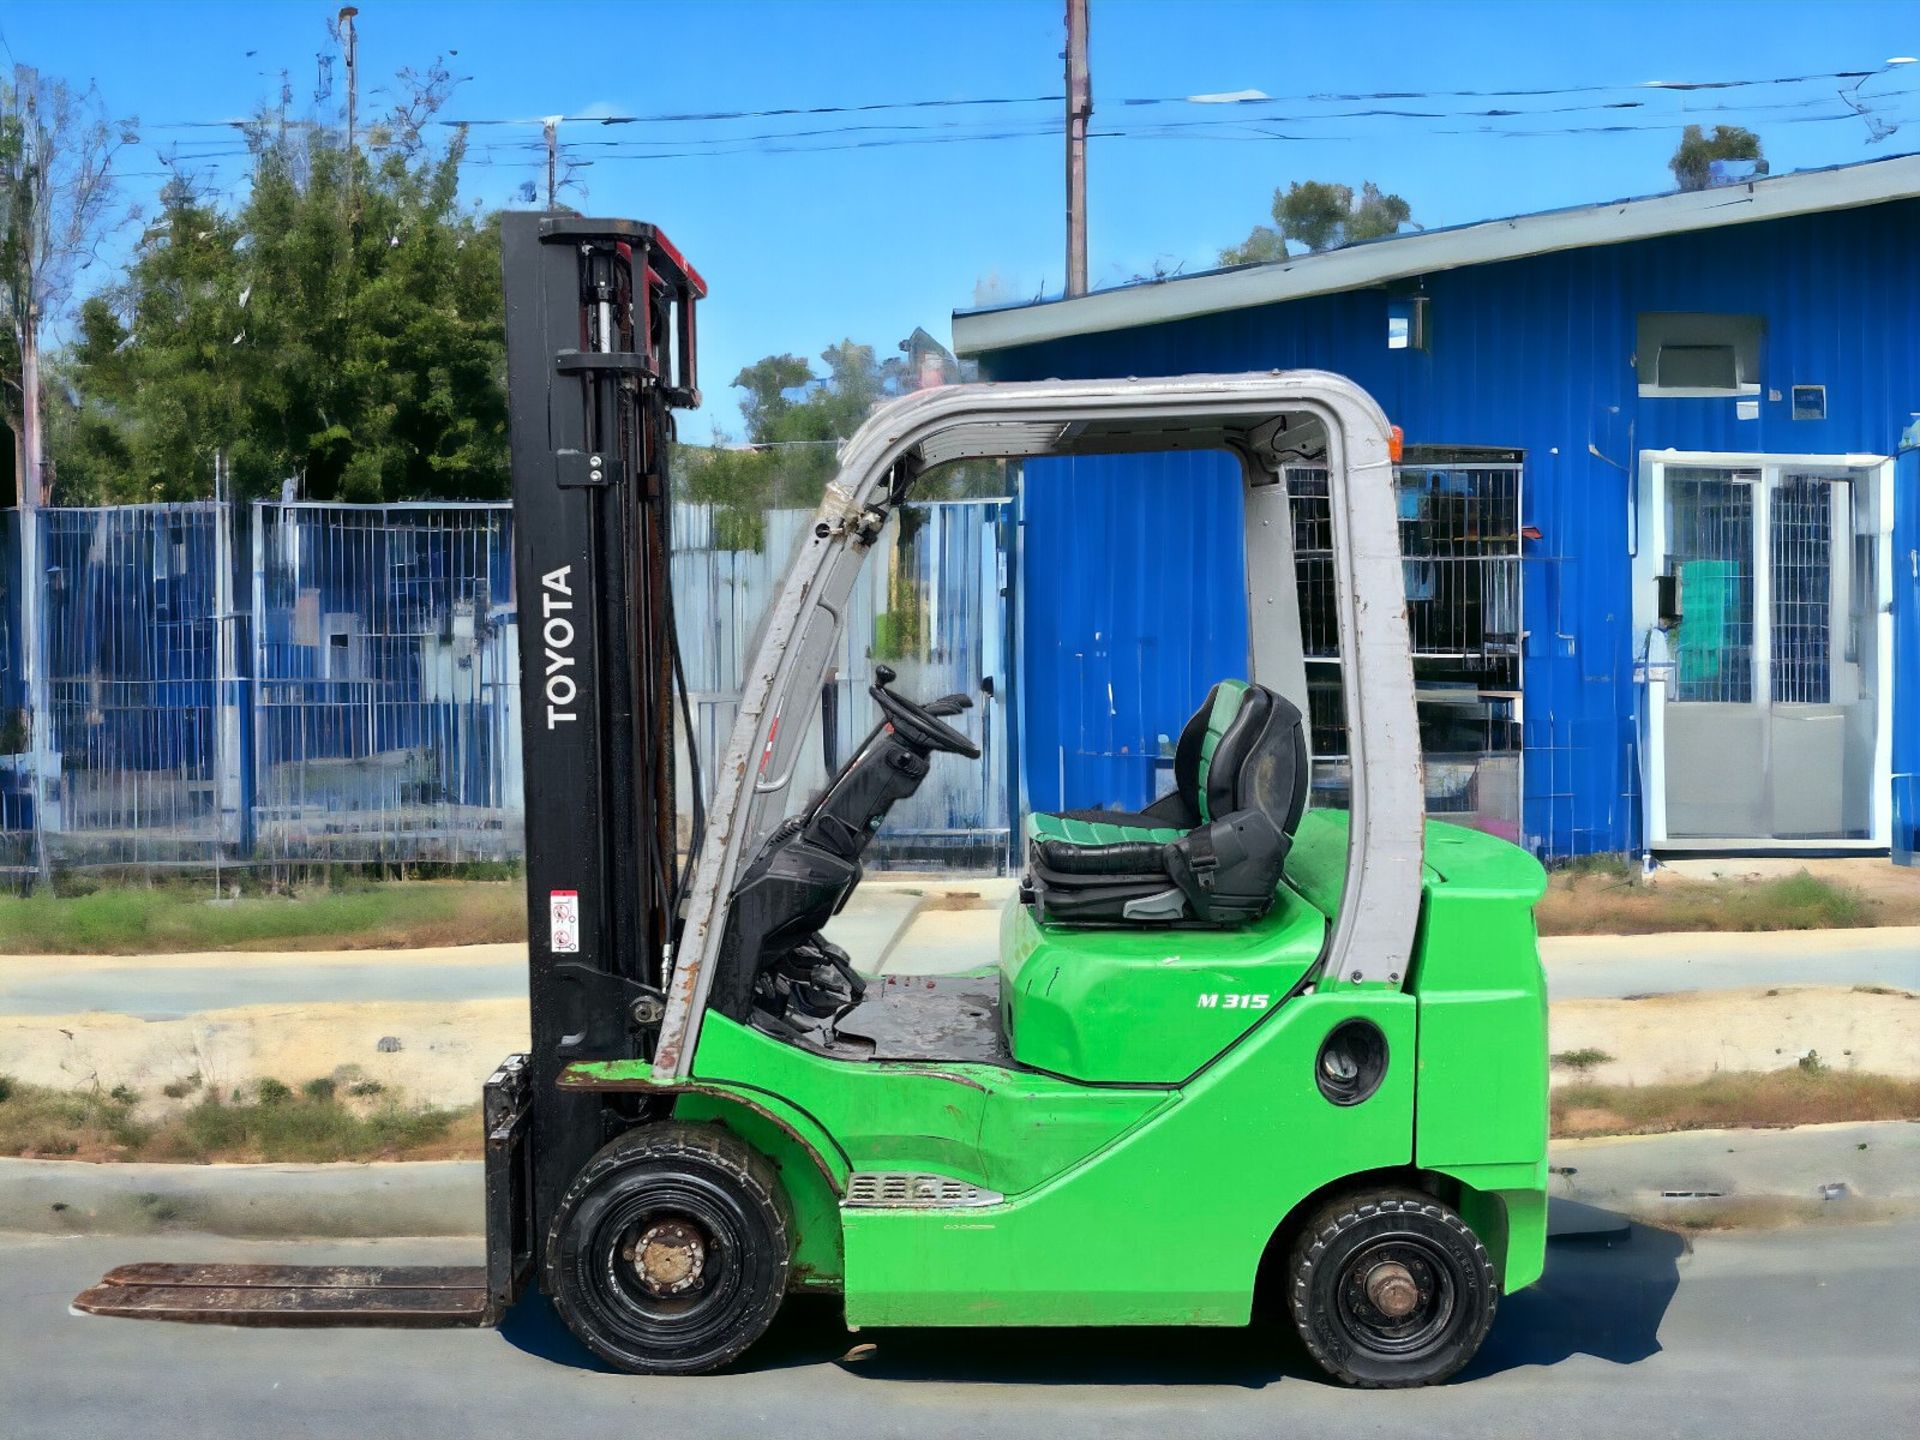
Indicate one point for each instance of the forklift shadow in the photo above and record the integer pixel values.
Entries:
(1606, 1289)
(1607, 1286)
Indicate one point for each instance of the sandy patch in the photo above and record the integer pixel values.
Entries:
(446, 1051)
(1693, 1033)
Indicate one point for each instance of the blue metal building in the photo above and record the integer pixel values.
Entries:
(1720, 387)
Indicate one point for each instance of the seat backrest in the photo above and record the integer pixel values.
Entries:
(1244, 749)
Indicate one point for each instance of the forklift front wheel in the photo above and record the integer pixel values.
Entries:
(668, 1255)
(1391, 1288)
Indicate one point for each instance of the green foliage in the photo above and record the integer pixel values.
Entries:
(340, 325)
(272, 1092)
(796, 417)
(1694, 156)
(1320, 216)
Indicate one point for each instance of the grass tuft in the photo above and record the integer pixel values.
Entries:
(177, 917)
(1583, 902)
(1580, 1061)
(277, 1124)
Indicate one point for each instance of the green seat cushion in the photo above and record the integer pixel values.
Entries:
(1228, 697)
(1090, 832)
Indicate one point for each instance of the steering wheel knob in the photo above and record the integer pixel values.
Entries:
(885, 674)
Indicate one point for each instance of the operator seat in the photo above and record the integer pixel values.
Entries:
(1209, 852)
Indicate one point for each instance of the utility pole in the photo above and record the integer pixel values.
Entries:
(348, 47)
(1079, 110)
(550, 127)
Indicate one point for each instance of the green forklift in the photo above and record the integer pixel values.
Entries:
(1231, 1049)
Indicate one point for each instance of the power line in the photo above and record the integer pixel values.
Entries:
(1251, 98)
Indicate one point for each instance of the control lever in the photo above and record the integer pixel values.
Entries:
(948, 705)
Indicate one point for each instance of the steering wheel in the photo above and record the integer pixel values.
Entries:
(920, 725)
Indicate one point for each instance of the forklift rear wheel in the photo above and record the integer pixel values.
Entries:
(1391, 1288)
(668, 1255)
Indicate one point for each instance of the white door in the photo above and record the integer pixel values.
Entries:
(1767, 702)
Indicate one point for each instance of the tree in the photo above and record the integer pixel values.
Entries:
(57, 203)
(1692, 162)
(796, 418)
(341, 326)
(1320, 216)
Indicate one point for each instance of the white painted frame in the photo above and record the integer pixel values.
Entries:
(1648, 527)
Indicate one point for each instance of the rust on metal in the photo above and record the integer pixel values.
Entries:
(670, 1257)
(571, 1081)
(1392, 1290)
(396, 1296)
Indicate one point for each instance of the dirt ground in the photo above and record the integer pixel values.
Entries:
(445, 1050)
(1687, 1035)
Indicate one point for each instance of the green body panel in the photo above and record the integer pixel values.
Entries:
(1483, 1004)
(1007, 1130)
(1070, 831)
(1145, 1006)
(1146, 1189)
(1167, 1225)
(813, 1199)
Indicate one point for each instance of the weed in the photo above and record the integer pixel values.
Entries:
(321, 1087)
(39, 1121)
(1812, 1064)
(1581, 1061)
(270, 1091)
(181, 1088)
(1619, 868)
(364, 1088)
(6, 1088)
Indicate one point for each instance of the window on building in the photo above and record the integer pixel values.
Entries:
(1407, 323)
(1460, 543)
(1682, 354)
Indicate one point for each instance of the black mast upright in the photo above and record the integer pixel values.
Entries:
(600, 350)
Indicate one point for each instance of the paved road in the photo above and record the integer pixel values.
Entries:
(1755, 1335)
(886, 933)
(1609, 966)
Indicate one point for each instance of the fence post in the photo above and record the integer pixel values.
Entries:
(33, 663)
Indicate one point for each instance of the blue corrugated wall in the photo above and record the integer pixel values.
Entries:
(1132, 607)
(1535, 354)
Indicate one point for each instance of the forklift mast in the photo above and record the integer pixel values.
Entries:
(600, 352)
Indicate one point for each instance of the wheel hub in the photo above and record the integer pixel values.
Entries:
(670, 1257)
(1392, 1290)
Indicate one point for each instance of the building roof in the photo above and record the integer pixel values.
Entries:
(1396, 257)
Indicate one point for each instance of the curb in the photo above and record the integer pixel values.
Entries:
(376, 1201)
(1692, 1179)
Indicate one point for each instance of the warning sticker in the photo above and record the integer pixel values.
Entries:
(563, 922)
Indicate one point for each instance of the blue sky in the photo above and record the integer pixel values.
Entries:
(802, 249)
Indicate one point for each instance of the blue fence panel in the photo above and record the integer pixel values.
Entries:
(386, 683)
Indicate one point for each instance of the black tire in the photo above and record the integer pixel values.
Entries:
(1426, 1257)
(714, 1204)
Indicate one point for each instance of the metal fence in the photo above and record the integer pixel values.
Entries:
(1460, 542)
(386, 708)
(290, 684)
